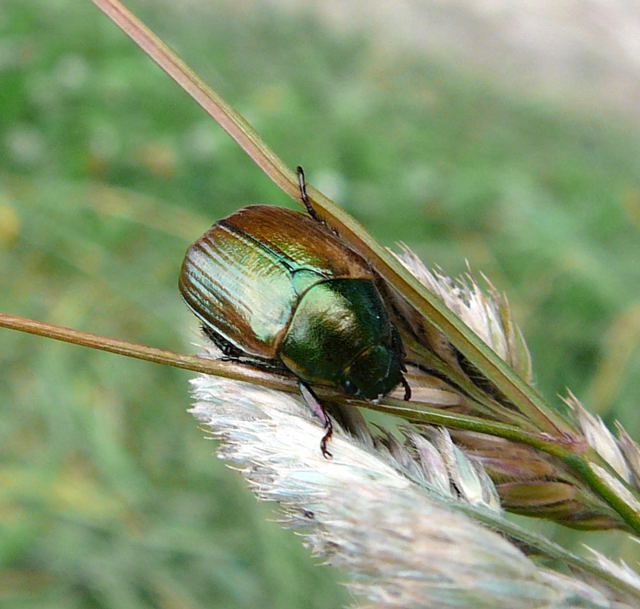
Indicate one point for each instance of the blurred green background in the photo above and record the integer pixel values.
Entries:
(109, 496)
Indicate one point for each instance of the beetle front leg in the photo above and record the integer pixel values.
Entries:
(317, 408)
(407, 388)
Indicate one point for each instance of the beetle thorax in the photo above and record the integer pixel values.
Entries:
(340, 325)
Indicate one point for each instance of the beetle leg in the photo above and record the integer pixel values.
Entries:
(304, 197)
(229, 351)
(265, 365)
(302, 185)
(407, 388)
(317, 408)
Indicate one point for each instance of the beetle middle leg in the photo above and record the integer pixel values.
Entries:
(231, 353)
(317, 408)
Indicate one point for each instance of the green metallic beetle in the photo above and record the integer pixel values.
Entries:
(275, 287)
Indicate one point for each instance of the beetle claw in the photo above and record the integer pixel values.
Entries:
(325, 440)
(316, 407)
(407, 388)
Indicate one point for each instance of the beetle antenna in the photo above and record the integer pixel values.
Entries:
(407, 388)
(316, 407)
(304, 197)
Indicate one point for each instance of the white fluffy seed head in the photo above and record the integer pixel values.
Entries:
(487, 313)
(381, 509)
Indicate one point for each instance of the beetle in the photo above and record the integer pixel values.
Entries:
(276, 288)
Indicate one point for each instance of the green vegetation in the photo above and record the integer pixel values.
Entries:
(109, 496)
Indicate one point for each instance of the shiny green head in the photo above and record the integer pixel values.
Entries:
(374, 373)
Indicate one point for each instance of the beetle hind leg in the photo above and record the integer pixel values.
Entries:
(304, 197)
(302, 185)
(316, 407)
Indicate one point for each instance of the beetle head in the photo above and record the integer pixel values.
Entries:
(375, 372)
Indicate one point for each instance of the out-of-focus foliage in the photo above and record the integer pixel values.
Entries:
(109, 497)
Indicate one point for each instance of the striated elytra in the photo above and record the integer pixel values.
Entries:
(275, 287)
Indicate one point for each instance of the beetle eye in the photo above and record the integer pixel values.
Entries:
(349, 387)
